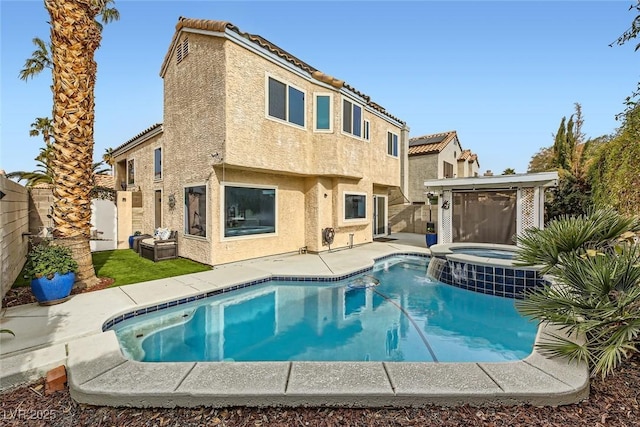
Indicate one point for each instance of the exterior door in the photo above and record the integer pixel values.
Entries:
(158, 208)
(379, 216)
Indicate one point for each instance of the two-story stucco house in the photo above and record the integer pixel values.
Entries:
(434, 156)
(259, 152)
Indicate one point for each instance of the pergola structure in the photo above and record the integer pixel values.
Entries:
(489, 209)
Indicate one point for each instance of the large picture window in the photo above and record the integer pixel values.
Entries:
(249, 211)
(351, 118)
(195, 210)
(355, 206)
(285, 102)
(157, 163)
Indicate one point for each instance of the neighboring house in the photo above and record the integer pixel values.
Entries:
(434, 156)
(258, 152)
(468, 165)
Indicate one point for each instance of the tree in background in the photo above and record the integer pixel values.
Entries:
(615, 171)
(509, 171)
(542, 161)
(568, 156)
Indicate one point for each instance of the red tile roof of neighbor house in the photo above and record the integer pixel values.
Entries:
(430, 144)
(223, 26)
(468, 156)
(104, 180)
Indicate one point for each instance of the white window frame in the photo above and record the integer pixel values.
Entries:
(315, 112)
(387, 144)
(207, 215)
(223, 204)
(344, 98)
(344, 207)
(286, 107)
(161, 163)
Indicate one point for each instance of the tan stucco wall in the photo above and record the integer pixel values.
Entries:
(255, 140)
(14, 221)
(215, 130)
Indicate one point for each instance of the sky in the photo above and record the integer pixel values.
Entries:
(502, 74)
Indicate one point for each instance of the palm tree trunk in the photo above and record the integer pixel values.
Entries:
(74, 39)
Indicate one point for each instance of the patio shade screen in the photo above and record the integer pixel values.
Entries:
(484, 216)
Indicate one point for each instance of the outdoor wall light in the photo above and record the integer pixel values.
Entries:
(172, 201)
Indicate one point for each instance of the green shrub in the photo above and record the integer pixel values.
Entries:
(46, 259)
(594, 261)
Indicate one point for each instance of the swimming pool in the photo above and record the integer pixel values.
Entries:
(393, 312)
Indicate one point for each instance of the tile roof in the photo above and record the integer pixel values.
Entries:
(104, 180)
(468, 156)
(430, 144)
(141, 134)
(223, 26)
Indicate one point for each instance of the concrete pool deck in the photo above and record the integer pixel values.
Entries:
(71, 334)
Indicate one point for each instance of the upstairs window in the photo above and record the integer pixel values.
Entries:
(157, 163)
(323, 107)
(351, 118)
(392, 144)
(366, 134)
(285, 102)
(131, 176)
(447, 170)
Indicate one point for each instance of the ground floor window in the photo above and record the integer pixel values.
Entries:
(195, 210)
(355, 206)
(249, 210)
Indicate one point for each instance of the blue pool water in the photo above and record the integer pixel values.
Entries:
(392, 313)
(485, 253)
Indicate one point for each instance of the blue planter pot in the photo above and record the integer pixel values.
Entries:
(49, 290)
(431, 239)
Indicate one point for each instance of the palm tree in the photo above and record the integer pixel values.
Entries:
(42, 174)
(108, 158)
(75, 36)
(44, 126)
(40, 59)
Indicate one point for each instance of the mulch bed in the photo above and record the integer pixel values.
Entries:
(613, 402)
(23, 295)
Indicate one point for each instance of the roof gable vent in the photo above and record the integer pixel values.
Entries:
(182, 50)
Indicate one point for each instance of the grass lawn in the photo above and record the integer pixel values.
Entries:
(126, 267)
